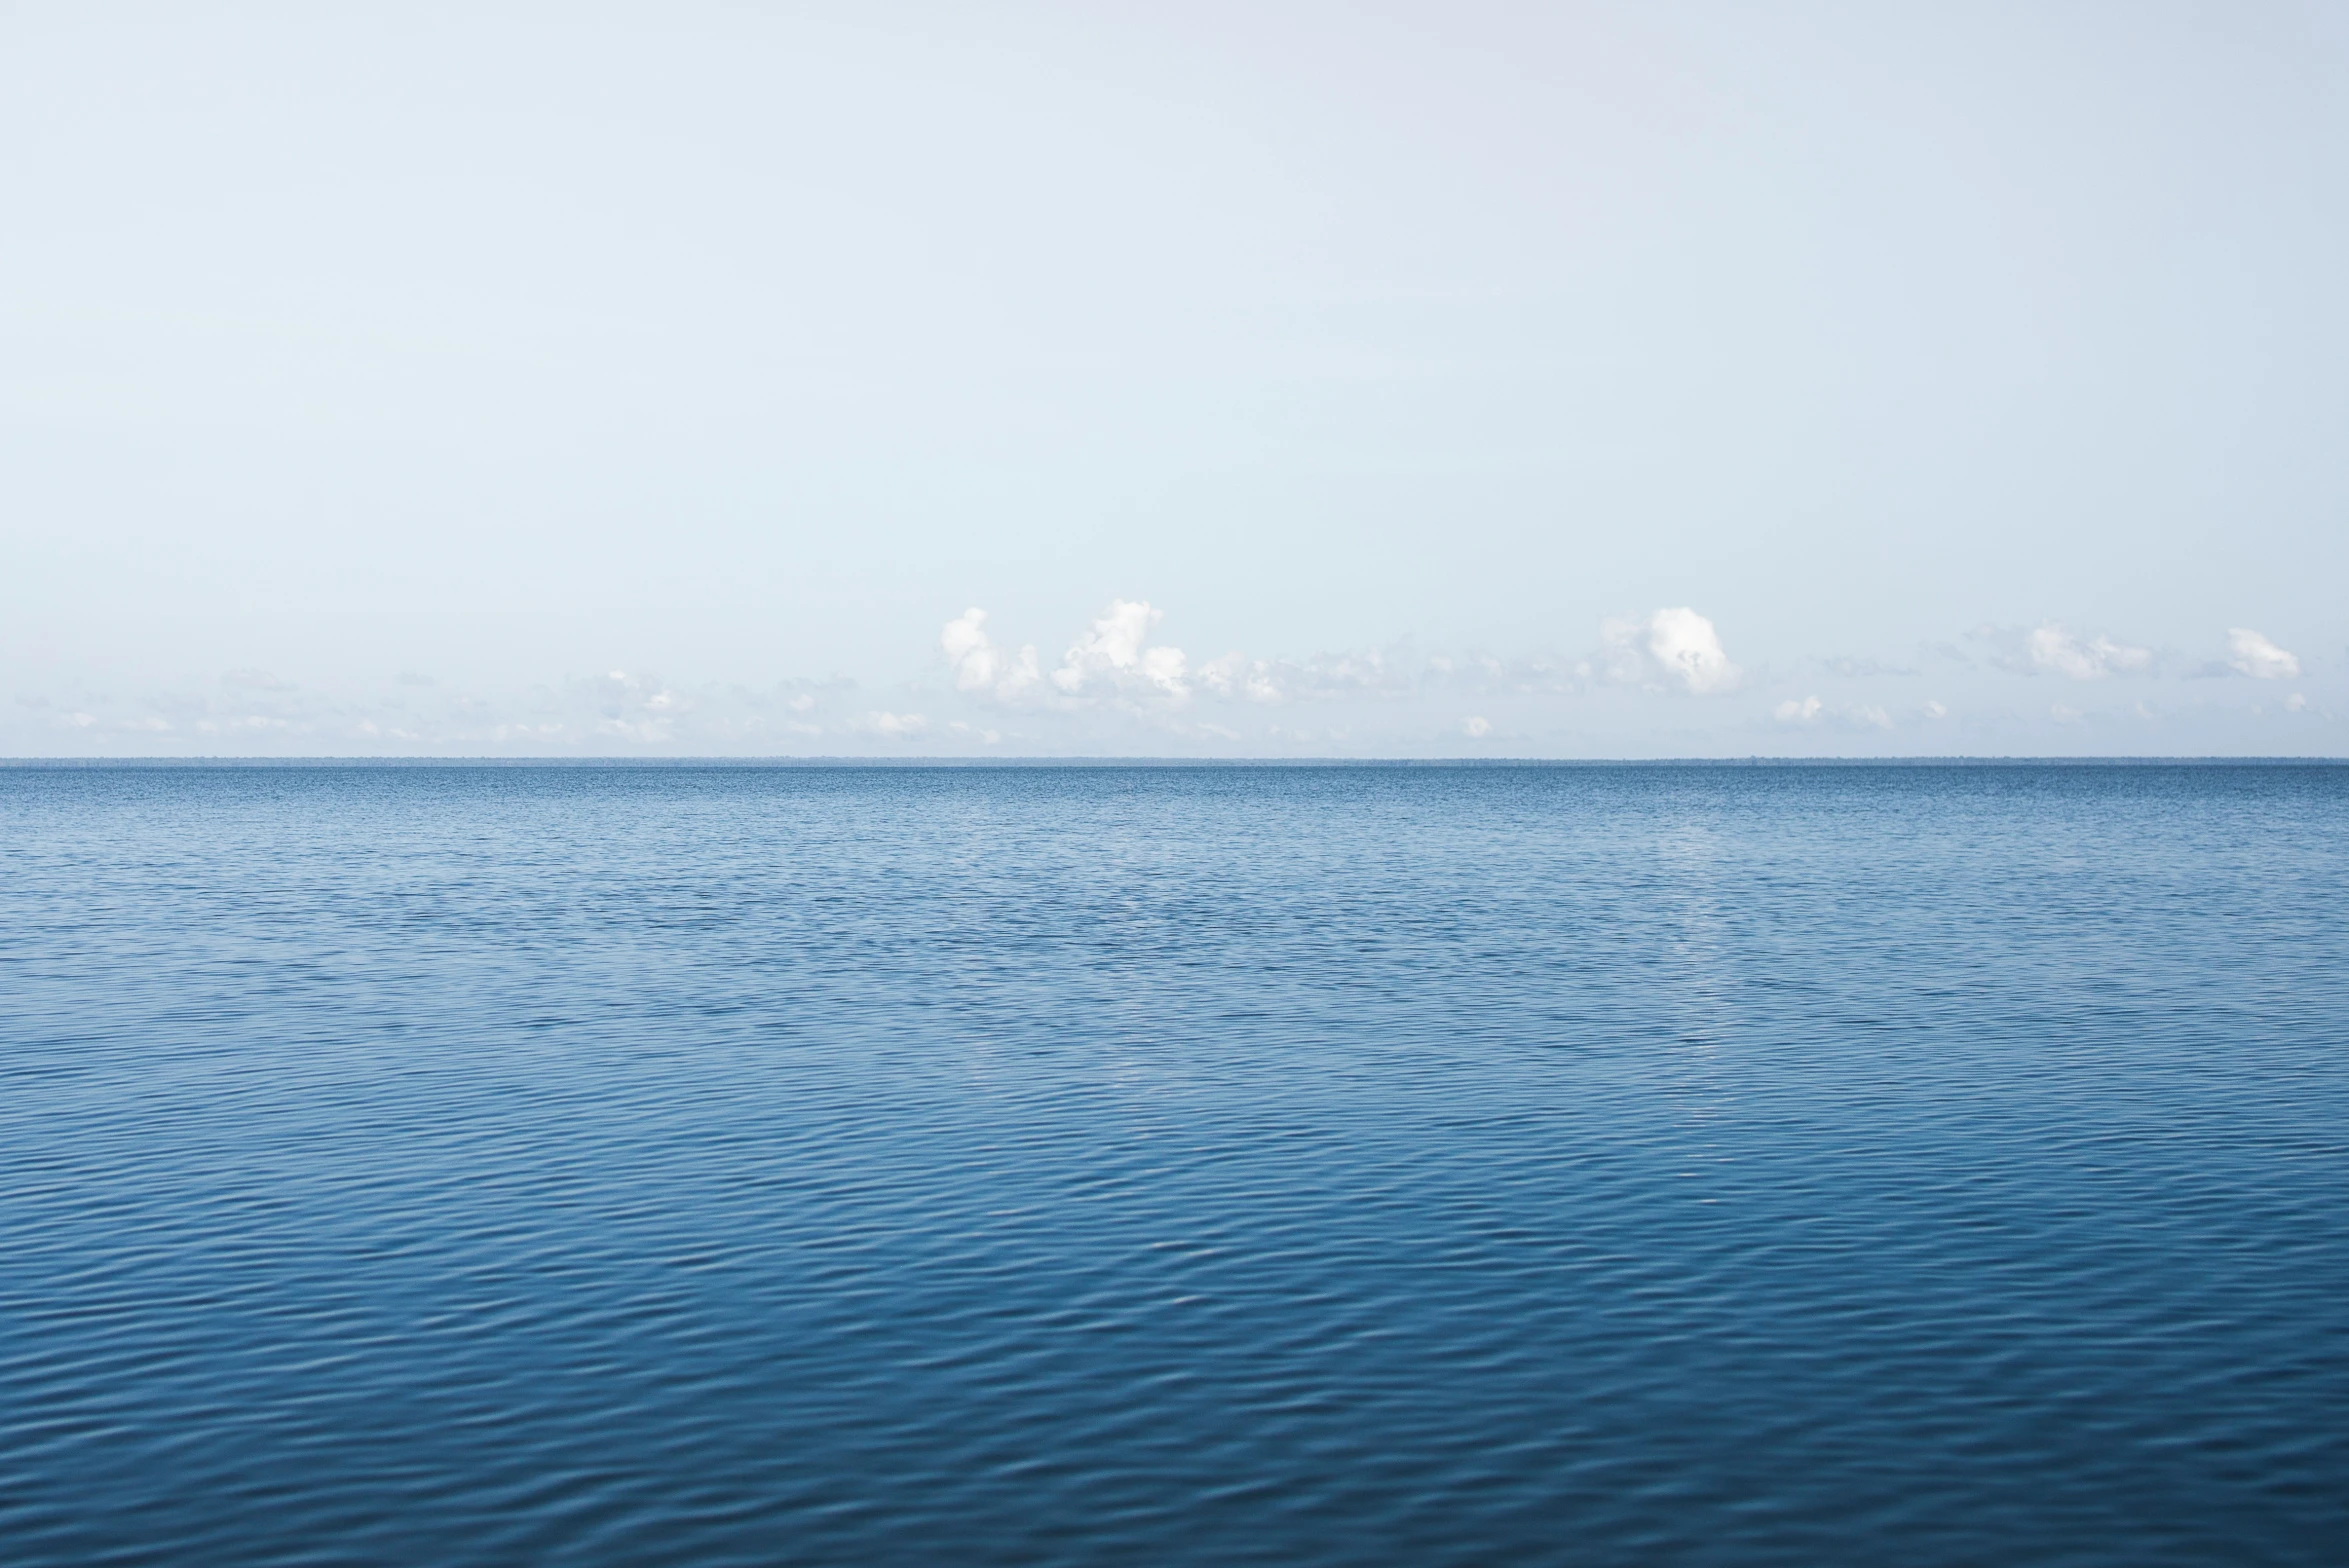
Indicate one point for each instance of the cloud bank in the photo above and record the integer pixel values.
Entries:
(1122, 687)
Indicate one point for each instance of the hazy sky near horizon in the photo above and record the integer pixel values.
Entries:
(1271, 379)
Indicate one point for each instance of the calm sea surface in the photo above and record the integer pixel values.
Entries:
(635, 1165)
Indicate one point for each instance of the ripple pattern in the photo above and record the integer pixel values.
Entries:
(648, 1165)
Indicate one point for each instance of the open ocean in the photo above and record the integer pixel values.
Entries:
(1353, 1164)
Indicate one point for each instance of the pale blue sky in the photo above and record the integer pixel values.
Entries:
(1550, 380)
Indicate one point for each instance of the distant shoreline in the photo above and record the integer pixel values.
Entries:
(1111, 763)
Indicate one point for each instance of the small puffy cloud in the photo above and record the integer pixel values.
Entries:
(1934, 710)
(1792, 712)
(2251, 654)
(2050, 648)
(1673, 647)
(2294, 703)
(1478, 728)
(980, 666)
(1114, 655)
(900, 725)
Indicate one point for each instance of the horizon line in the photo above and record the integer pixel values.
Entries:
(1147, 761)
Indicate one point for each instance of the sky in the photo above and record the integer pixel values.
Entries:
(1221, 380)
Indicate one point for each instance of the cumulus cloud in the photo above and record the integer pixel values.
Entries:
(1477, 728)
(980, 666)
(1114, 655)
(2253, 655)
(1803, 712)
(1673, 647)
(899, 725)
(2051, 649)
(1113, 658)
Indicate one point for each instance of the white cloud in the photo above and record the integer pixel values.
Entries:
(2052, 648)
(1113, 658)
(981, 666)
(2295, 702)
(1113, 655)
(1668, 649)
(1477, 727)
(901, 725)
(1934, 710)
(1671, 647)
(2258, 658)
(1792, 712)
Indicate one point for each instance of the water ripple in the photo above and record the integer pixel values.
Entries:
(714, 1165)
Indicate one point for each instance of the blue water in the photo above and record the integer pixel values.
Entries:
(1697, 1165)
